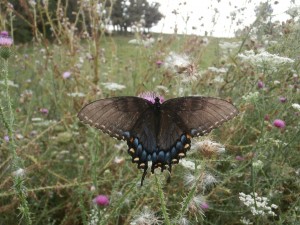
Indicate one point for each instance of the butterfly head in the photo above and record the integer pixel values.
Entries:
(152, 97)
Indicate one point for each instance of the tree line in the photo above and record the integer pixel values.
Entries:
(33, 17)
(126, 13)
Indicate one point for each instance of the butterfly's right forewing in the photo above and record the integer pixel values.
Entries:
(114, 116)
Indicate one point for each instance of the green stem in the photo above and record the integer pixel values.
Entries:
(17, 163)
(253, 187)
(162, 201)
(10, 111)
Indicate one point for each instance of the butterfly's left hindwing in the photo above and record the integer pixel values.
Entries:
(145, 129)
(114, 116)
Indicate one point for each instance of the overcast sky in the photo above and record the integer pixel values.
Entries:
(213, 16)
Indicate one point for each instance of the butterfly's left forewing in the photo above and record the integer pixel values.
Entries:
(197, 116)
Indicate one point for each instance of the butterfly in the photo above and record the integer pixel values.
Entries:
(157, 132)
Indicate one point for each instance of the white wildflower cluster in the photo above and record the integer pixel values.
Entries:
(276, 82)
(276, 142)
(224, 45)
(217, 70)
(245, 221)
(147, 42)
(9, 83)
(265, 59)
(258, 205)
(251, 97)
(94, 218)
(146, 217)
(296, 106)
(258, 164)
(76, 94)
(218, 79)
(113, 86)
(39, 122)
(189, 164)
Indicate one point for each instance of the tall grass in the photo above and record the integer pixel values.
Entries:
(65, 164)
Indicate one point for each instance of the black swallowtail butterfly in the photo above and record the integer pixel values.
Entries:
(157, 131)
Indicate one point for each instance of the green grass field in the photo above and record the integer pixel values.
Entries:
(53, 166)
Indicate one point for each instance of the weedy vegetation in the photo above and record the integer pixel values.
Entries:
(55, 170)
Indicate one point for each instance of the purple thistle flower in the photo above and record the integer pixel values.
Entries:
(260, 84)
(150, 96)
(267, 117)
(279, 123)
(66, 75)
(5, 43)
(6, 138)
(44, 111)
(101, 200)
(4, 33)
(159, 63)
(239, 158)
(5, 39)
(204, 206)
(282, 99)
